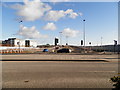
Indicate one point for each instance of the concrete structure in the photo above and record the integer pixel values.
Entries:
(14, 42)
(109, 48)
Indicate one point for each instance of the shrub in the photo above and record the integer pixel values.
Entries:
(116, 82)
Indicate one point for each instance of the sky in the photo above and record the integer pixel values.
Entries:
(43, 21)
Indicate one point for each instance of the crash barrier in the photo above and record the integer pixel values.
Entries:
(11, 51)
(23, 50)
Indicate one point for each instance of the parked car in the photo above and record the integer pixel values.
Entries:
(45, 50)
(64, 50)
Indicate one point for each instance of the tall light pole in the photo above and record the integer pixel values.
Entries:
(60, 38)
(84, 31)
(19, 31)
(101, 40)
(66, 40)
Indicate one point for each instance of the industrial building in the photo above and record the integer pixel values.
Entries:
(14, 42)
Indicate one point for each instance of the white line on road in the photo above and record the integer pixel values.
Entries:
(99, 71)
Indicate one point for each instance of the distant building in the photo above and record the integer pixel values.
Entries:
(14, 42)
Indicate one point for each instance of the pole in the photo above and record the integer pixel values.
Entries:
(11, 42)
(101, 44)
(60, 38)
(19, 37)
(84, 33)
(101, 40)
(66, 40)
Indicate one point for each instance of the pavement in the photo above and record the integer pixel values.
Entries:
(58, 74)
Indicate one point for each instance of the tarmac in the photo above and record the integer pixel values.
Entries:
(57, 74)
(58, 71)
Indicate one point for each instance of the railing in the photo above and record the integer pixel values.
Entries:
(9, 50)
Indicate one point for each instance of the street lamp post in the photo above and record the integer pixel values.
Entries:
(84, 31)
(60, 38)
(101, 40)
(19, 31)
(102, 44)
(66, 40)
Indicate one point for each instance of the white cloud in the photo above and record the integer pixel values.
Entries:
(56, 15)
(31, 10)
(36, 9)
(70, 32)
(71, 13)
(68, 11)
(50, 26)
(30, 33)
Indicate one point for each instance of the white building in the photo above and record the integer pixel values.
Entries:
(14, 42)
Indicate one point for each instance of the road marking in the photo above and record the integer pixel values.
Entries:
(98, 71)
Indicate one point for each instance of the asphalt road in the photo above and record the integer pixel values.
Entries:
(59, 74)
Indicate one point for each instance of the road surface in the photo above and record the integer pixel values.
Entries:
(59, 74)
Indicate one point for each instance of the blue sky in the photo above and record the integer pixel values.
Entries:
(101, 21)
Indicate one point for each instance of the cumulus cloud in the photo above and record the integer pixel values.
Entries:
(53, 15)
(30, 33)
(31, 10)
(70, 32)
(71, 13)
(50, 26)
(36, 9)
(68, 11)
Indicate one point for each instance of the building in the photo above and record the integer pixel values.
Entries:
(14, 42)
